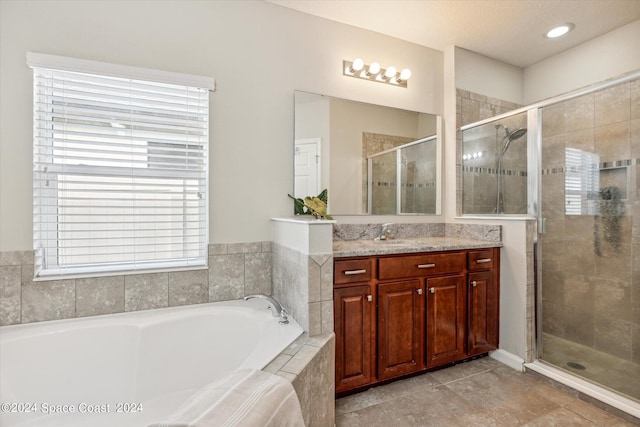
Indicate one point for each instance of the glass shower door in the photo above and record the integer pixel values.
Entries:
(590, 252)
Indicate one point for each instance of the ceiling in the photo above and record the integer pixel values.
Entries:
(510, 31)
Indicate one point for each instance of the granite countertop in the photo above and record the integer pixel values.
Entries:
(349, 248)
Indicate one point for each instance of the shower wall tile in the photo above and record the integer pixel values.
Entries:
(578, 323)
(634, 139)
(613, 336)
(553, 120)
(99, 295)
(612, 141)
(634, 95)
(613, 299)
(188, 287)
(612, 105)
(635, 343)
(582, 140)
(10, 279)
(579, 113)
(146, 291)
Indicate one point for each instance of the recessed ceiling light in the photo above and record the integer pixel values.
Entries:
(559, 31)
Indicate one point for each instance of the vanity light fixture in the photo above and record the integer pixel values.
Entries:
(559, 31)
(374, 72)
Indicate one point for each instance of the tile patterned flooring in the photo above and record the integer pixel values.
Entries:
(609, 371)
(482, 392)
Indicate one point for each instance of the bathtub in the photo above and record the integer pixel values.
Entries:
(130, 369)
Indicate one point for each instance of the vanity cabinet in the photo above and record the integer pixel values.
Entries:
(401, 314)
(400, 328)
(354, 317)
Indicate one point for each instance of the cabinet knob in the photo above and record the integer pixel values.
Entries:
(369, 298)
(432, 290)
(473, 283)
(419, 291)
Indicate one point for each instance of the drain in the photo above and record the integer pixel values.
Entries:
(576, 365)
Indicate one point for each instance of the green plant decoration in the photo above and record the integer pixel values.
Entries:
(312, 205)
(611, 212)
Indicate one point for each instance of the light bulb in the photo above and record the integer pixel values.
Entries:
(358, 64)
(405, 74)
(374, 68)
(391, 72)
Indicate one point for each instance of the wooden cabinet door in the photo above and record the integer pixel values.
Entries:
(354, 311)
(446, 319)
(483, 313)
(400, 328)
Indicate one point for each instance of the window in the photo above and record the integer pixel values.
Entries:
(581, 182)
(120, 168)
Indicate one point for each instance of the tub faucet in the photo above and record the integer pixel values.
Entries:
(384, 232)
(276, 308)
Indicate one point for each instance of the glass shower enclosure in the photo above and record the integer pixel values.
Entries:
(402, 180)
(571, 163)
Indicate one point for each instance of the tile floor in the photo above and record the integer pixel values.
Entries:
(482, 392)
(609, 371)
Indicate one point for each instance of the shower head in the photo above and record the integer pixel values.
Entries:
(511, 135)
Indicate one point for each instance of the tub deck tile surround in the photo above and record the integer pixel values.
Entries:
(309, 364)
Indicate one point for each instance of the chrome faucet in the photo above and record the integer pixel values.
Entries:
(276, 308)
(384, 231)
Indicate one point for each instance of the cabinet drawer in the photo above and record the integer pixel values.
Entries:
(420, 265)
(352, 271)
(481, 260)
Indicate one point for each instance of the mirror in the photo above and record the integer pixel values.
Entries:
(374, 160)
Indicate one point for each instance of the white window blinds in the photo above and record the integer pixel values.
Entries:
(581, 182)
(120, 173)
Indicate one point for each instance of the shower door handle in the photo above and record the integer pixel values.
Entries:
(542, 225)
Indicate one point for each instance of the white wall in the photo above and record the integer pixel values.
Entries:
(479, 74)
(611, 55)
(259, 54)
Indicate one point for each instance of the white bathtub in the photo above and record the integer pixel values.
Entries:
(130, 369)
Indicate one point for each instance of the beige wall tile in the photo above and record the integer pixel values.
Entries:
(99, 295)
(46, 300)
(10, 294)
(579, 113)
(258, 271)
(146, 291)
(226, 277)
(612, 105)
(188, 287)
